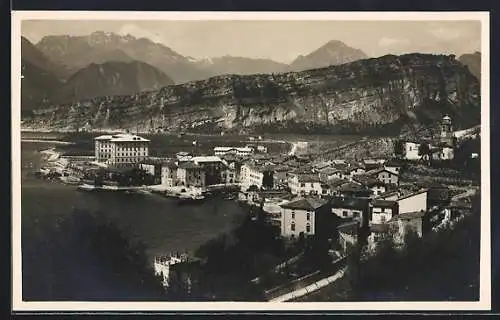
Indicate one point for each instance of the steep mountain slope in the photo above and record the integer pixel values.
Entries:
(35, 57)
(473, 62)
(110, 79)
(77, 52)
(372, 95)
(37, 86)
(239, 65)
(332, 53)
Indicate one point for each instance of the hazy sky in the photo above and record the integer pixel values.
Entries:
(279, 40)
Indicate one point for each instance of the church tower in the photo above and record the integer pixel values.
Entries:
(446, 131)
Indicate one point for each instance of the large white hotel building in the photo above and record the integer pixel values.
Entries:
(121, 150)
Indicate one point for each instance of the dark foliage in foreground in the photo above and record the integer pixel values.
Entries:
(230, 262)
(440, 266)
(83, 257)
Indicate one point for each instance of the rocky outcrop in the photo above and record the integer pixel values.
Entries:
(473, 62)
(371, 95)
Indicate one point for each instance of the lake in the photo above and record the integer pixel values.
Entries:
(160, 223)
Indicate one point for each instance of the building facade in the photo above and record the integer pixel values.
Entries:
(169, 174)
(121, 150)
(383, 211)
(300, 216)
(411, 150)
(414, 202)
(385, 176)
(238, 151)
(307, 184)
(190, 175)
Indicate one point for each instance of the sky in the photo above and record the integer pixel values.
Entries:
(281, 41)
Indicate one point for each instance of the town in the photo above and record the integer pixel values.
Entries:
(348, 203)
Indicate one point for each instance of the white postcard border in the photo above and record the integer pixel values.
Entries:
(485, 264)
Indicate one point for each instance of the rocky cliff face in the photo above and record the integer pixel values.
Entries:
(389, 93)
(473, 62)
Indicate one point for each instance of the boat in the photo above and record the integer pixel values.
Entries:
(86, 187)
(70, 179)
(144, 191)
(44, 171)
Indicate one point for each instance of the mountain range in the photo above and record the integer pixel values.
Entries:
(65, 67)
(387, 94)
(45, 81)
(123, 81)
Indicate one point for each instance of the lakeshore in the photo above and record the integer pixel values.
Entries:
(158, 221)
(189, 176)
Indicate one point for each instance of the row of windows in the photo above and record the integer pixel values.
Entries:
(345, 213)
(308, 216)
(129, 154)
(125, 160)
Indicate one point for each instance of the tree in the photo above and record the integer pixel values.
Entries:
(424, 151)
(83, 256)
(399, 148)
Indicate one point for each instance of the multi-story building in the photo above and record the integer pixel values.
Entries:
(213, 168)
(384, 175)
(260, 176)
(414, 202)
(169, 174)
(190, 174)
(307, 184)
(351, 208)
(238, 151)
(121, 150)
(383, 211)
(302, 216)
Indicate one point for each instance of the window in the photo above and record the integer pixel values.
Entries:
(382, 209)
(292, 226)
(308, 228)
(355, 214)
(308, 216)
(302, 185)
(344, 213)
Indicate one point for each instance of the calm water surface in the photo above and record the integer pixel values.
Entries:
(160, 223)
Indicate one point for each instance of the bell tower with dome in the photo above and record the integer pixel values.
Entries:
(446, 137)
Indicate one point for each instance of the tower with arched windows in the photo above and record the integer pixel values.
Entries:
(446, 136)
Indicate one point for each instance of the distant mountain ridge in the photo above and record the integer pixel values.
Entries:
(330, 54)
(112, 79)
(38, 59)
(76, 52)
(239, 65)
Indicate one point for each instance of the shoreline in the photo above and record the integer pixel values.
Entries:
(48, 141)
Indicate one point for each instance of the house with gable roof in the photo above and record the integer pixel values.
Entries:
(304, 216)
